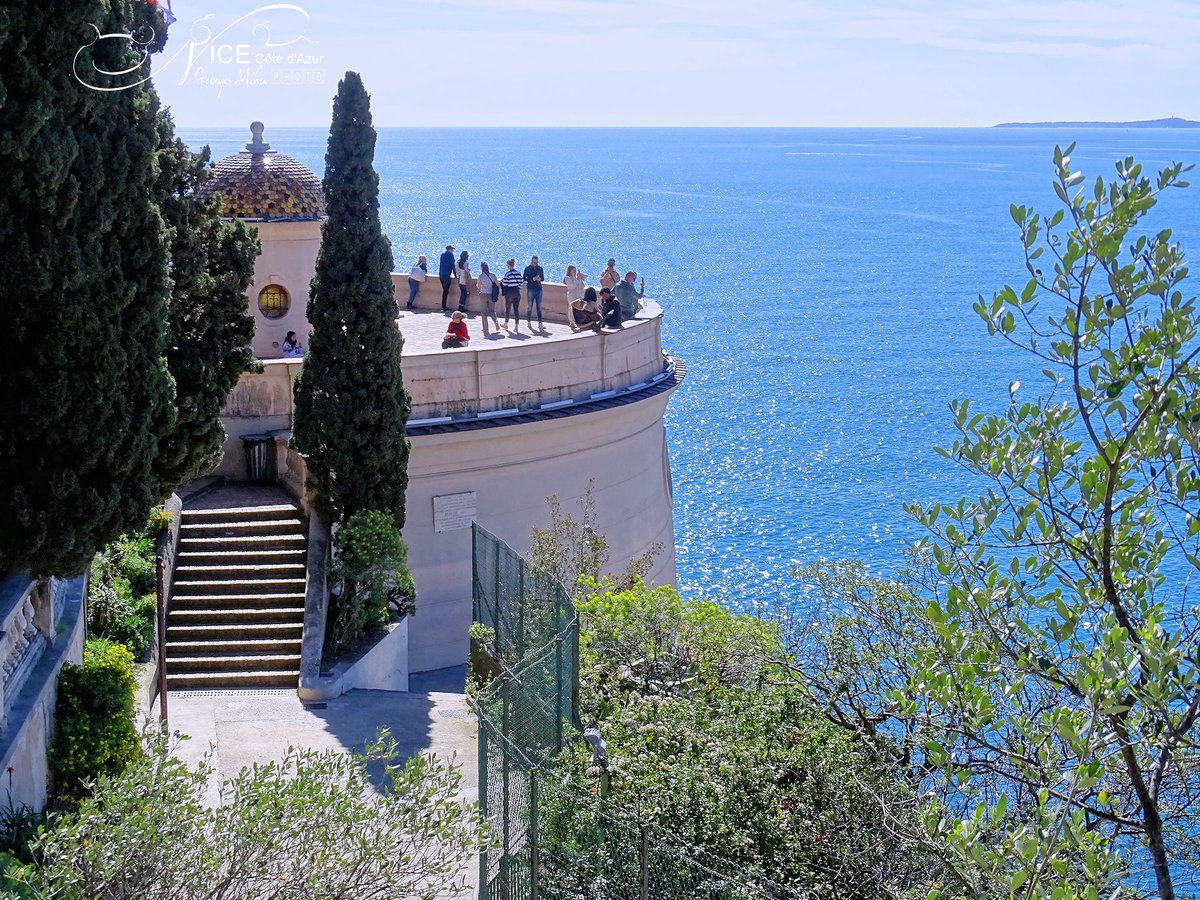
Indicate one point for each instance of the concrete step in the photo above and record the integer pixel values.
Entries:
(222, 605)
(251, 543)
(239, 557)
(220, 633)
(207, 681)
(237, 606)
(233, 651)
(201, 616)
(263, 662)
(249, 587)
(240, 528)
(250, 571)
(270, 512)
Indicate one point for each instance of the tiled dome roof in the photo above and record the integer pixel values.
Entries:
(261, 184)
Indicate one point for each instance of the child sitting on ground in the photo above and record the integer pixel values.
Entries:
(456, 332)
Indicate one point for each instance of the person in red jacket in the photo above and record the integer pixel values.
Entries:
(456, 332)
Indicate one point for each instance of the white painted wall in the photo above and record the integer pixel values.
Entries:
(289, 259)
(512, 471)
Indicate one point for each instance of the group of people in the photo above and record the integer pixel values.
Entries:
(617, 300)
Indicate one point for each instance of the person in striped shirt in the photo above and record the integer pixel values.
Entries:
(510, 284)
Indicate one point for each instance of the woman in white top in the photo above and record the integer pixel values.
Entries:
(463, 271)
(489, 293)
(574, 280)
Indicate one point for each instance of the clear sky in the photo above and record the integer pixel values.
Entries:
(684, 62)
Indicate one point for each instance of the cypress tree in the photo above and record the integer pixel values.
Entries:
(351, 405)
(84, 390)
(210, 327)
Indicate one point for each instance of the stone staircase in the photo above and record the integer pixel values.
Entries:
(237, 602)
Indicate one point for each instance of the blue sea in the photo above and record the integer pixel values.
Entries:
(818, 283)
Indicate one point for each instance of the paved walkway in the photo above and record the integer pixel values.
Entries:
(423, 330)
(246, 727)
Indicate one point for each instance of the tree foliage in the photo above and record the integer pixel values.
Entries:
(712, 745)
(351, 405)
(94, 734)
(84, 288)
(312, 825)
(575, 554)
(373, 585)
(1042, 670)
(210, 328)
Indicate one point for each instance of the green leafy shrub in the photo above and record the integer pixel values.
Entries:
(20, 880)
(19, 825)
(121, 605)
(314, 824)
(135, 629)
(712, 744)
(370, 581)
(94, 731)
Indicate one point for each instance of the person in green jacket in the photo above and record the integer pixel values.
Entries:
(629, 296)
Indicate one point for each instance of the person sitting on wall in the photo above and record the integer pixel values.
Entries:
(456, 332)
(629, 296)
(610, 309)
(291, 345)
(584, 313)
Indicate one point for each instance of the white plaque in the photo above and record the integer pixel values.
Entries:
(453, 512)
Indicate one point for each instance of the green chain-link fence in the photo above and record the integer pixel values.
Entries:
(557, 840)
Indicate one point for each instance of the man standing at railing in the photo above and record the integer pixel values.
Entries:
(446, 266)
(511, 285)
(534, 276)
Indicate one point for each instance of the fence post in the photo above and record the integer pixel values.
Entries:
(506, 858)
(160, 612)
(482, 762)
(558, 668)
(575, 673)
(495, 611)
(520, 610)
(644, 862)
(534, 848)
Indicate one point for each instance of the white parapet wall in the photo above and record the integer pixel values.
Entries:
(383, 667)
(43, 630)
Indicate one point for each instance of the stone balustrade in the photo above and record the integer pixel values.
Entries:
(21, 641)
(42, 629)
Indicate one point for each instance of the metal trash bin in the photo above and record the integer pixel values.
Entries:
(260, 458)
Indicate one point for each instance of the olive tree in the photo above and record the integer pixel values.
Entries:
(316, 824)
(1044, 674)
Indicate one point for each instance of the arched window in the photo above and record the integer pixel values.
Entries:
(274, 302)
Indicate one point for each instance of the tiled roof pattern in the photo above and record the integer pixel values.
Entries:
(270, 187)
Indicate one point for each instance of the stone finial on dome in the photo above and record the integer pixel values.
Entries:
(257, 145)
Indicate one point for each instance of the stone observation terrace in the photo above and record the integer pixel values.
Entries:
(501, 375)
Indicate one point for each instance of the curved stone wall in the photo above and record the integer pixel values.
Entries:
(575, 367)
(503, 476)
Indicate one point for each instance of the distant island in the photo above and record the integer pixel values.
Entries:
(1173, 122)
